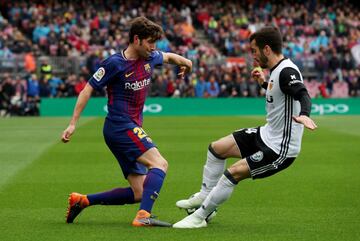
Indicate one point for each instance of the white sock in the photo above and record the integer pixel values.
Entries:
(219, 194)
(212, 172)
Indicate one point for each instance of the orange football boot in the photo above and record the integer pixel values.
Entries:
(77, 202)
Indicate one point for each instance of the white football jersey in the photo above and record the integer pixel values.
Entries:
(281, 133)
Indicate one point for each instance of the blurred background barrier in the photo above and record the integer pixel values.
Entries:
(194, 107)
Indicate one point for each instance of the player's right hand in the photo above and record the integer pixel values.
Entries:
(67, 133)
(306, 121)
(258, 75)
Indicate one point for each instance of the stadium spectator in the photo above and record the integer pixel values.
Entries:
(158, 87)
(46, 69)
(226, 86)
(318, 39)
(54, 83)
(212, 87)
(29, 62)
(241, 87)
(33, 89)
(354, 83)
(313, 87)
(45, 90)
(340, 89)
(200, 86)
(80, 85)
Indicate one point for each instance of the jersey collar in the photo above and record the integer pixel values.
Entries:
(271, 70)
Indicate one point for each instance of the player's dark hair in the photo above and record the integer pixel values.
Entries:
(144, 28)
(270, 36)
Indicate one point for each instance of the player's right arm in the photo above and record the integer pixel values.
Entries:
(81, 102)
(108, 69)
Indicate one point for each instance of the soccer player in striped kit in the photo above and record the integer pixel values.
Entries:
(263, 150)
(126, 76)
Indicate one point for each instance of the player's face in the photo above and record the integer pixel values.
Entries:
(258, 55)
(146, 46)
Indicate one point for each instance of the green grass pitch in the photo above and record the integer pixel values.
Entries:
(317, 198)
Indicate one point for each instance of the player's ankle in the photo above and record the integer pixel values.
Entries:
(202, 195)
(84, 201)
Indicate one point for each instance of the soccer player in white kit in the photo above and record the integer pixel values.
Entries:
(264, 150)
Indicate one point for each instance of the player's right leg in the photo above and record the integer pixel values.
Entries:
(214, 167)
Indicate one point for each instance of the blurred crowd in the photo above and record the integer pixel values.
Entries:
(322, 38)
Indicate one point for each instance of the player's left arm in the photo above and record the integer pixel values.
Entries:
(291, 84)
(184, 63)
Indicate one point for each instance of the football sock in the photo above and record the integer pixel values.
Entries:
(152, 185)
(117, 196)
(212, 172)
(219, 194)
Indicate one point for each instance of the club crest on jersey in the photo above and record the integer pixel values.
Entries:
(270, 85)
(147, 68)
(256, 157)
(99, 74)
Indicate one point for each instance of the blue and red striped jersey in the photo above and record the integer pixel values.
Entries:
(127, 83)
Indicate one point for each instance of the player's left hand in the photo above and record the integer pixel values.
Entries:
(306, 121)
(184, 69)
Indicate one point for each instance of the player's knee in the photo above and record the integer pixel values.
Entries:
(239, 171)
(161, 163)
(165, 165)
(217, 149)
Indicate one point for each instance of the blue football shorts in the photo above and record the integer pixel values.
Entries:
(127, 141)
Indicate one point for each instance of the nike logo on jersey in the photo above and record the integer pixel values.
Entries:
(128, 75)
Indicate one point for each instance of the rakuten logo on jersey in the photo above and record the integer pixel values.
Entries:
(138, 85)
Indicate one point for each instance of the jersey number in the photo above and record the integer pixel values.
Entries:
(139, 132)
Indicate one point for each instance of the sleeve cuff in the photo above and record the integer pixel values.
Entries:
(265, 85)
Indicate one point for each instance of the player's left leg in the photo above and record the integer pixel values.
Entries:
(219, 194)
(116, 196)
(120, 196)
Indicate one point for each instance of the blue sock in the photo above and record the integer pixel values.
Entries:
(152, 186)
(117, 196)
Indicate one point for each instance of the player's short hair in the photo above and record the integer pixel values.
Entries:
(144, 28)
(270, 36)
